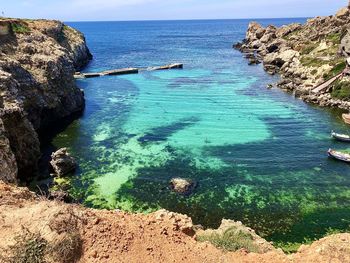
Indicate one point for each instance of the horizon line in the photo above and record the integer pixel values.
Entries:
(193, 19)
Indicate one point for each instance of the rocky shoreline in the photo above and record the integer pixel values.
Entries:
(37, 90)
(38, 59)
(304, 56)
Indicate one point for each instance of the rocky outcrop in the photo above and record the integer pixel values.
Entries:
(182, 185)
(37, 61)
(62, 162)
(305, 56)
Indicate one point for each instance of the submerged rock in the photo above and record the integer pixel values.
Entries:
(62, 163)
(182, 185)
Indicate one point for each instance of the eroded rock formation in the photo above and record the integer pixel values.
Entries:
(305, 56)
(62, 162)
(37, 61)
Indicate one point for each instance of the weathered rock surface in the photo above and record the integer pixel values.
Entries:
(37, 61)
(62, 162)
(304, 55)
(115, 236)
(182, 185)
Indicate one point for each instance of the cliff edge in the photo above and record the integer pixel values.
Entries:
(34, 229)
(37, 61)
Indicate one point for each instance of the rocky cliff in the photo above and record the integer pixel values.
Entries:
(37, 61)
(305, 56)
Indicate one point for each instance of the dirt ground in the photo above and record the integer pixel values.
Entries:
(115, 236)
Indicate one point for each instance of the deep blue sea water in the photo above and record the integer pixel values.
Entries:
(258, 155)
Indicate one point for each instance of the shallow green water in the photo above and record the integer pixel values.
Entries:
(258, 155)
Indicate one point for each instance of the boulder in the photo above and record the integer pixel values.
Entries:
(344, 12)
(62, 163)
(182, 185)
(286, 30)
(255, 31)
(179, 222)
(345, 44)
(268, 37)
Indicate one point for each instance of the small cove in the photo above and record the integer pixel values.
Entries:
(258, 155)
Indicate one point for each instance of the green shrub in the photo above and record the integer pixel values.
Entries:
(308, 48)
(20, 28)
(314, 72)
(334, 37)
(341, 90)
(29, 248)
(308, 61)
(230, 240)
(338, 68)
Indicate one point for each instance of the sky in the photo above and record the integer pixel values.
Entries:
(116, 10)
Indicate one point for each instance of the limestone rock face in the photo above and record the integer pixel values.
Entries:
(37, 89)
(8, 162)
(345, 44)
(62, 163)
(182, 186)
(304, 55)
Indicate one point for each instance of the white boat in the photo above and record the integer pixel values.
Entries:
(340, 137)
(345, 157)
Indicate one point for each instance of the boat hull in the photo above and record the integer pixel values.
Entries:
(339, 156)
(339, 137)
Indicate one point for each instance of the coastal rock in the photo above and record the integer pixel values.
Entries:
(37, 87)
(182, 185)
(62, 163)
(179, 221)
(343, 12)
(255, 31)
(287, 29)
(261, 245)
(8, 162)
(304, 55)
(345, 44)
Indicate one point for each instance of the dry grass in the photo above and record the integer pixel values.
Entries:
(29, 248)
(230, 240)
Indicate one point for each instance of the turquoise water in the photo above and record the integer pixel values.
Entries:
(258, 155)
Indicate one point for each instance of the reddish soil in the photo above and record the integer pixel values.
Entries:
(115, 236)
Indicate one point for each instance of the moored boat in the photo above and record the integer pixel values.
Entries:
(340, 137)
(339, 155)
(346, 118)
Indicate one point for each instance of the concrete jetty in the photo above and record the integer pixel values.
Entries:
(125, 71)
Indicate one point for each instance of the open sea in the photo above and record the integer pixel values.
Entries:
(258, 155)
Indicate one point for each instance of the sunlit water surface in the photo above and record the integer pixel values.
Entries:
(258, 155)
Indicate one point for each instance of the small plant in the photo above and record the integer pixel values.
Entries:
(338, 68)
(20, 28)
(334, 38)
(341, 90)
(309, 48)
(67, 249)
(230, 240)
(29, 248)
(312, 61)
